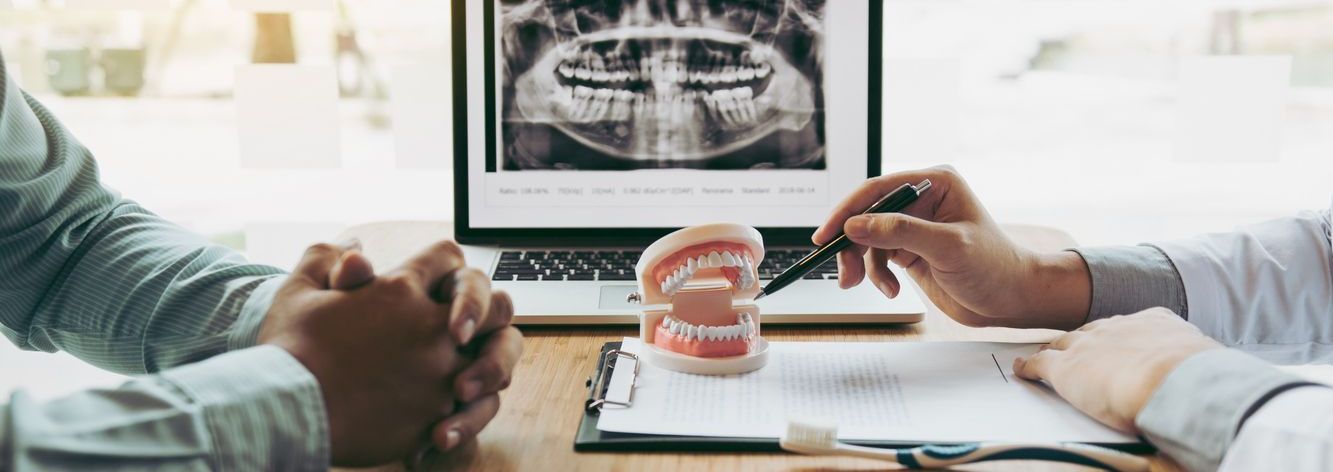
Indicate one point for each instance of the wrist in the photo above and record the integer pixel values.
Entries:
(1059, 289)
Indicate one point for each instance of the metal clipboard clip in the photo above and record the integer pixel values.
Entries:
(603, 379)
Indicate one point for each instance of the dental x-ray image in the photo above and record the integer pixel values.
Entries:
(652, 84)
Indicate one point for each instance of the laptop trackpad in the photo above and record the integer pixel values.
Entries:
(613, 297)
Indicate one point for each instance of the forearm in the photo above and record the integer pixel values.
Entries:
(254, 409)
(1195, 413)
(1068, 289)
(1290, 432)
(1266, 283)
(141, 295)
(1060, 291)
(110, 282)
(1129, 279)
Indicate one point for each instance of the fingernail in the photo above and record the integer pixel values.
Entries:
(465, 333)
(452, 438)
(471, 390)
(857, 227)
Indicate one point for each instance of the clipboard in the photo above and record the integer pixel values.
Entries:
(589, 439)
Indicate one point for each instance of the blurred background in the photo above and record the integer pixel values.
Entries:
(268, 124)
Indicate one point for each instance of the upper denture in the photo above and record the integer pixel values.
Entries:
(732, 260)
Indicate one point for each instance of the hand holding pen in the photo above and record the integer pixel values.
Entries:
(895, 201)
(949, 244)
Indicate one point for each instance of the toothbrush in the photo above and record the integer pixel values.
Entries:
(817, 439)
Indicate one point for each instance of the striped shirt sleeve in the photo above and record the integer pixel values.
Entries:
(254, 409)
(84, 271)
(87, 272)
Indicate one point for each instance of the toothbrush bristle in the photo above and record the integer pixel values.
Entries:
(811, 434)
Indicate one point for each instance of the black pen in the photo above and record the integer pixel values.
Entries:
(895, 201)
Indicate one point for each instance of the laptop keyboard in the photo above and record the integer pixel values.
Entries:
(619, 265)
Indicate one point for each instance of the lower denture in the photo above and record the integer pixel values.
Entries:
(701, 347)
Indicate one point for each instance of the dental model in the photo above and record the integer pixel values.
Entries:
(698, 285)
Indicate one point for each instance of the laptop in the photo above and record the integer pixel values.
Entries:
(585, 130)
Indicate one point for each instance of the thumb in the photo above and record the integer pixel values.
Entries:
(351, 271)
(318, 261)
(927, 239)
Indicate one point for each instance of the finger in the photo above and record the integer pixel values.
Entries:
(493, 368)
(1037, 366)
(466, 423)
(877, 268)
(500, 315)
(313, 268)
(352, 270)
(467, 293)
(870, 191)
(1066, 341)
(432, 264)
(851, 267)
(898, 231)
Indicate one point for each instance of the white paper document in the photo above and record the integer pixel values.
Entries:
(915, 392)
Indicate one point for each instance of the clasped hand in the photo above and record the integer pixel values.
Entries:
(415, 355)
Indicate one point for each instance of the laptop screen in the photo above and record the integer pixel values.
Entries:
(664, 113)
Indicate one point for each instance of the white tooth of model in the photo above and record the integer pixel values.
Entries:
(745, 73)
(691, 265)
(714, 259)
(728, 260)
(666, 321)
(583, 74)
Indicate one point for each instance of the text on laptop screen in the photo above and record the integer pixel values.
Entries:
(664, 113)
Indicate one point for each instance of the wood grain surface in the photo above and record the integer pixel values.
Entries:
(541, 409)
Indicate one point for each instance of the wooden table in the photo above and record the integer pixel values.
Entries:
(542, 408)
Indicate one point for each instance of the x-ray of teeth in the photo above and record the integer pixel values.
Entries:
(644, 84)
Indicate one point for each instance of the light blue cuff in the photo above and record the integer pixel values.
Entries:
(1194, 415)
(245, 332)
(1129, 279)
(263, 409)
